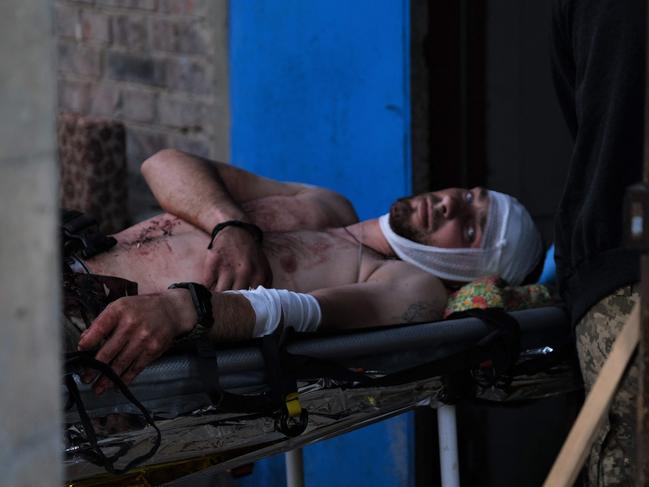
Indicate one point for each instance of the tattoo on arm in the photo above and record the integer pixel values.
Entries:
(417, 312)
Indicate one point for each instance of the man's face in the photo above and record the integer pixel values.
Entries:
(450, 218)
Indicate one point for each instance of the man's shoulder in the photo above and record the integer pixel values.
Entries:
(402, 271)
(407, 283)
(333, 209)
(310, 209)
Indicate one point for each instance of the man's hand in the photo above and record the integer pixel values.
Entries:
(236, 261)
(135, 330)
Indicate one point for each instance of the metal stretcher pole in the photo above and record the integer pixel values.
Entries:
(448, 456)
(294, 461)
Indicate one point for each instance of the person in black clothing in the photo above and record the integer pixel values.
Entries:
(598, 56)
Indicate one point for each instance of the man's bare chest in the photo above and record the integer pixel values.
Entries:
(165, 250)
(309, 260)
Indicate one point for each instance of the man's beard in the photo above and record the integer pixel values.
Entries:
(401, 220)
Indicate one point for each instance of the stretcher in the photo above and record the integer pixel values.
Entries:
(406, 366)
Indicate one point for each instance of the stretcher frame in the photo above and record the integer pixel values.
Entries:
(386, 350)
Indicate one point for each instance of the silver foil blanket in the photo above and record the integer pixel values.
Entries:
(243, 438)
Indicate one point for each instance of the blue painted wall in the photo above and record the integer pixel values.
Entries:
(378, 455)
(381, 455)
(320, 94)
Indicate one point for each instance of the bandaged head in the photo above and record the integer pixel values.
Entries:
(510, 247)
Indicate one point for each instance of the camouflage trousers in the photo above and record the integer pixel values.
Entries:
(612, 457)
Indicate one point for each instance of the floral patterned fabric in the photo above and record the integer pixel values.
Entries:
(92, 155)
(494, 292)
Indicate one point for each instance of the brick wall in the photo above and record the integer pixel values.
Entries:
(160, 66)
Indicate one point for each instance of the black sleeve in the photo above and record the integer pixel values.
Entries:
(599, 71)
(563, 66)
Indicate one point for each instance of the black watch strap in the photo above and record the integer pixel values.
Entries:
(251, 228)
(202, 300)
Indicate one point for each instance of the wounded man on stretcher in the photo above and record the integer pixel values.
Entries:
(247, 254)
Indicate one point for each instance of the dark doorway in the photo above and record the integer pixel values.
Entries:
(484, 113)
(448, 93)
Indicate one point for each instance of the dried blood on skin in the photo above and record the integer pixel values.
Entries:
(154, 230)
(168, 225)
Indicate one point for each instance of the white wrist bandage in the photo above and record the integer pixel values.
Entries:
(296, 310)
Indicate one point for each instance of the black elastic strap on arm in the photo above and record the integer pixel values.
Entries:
(202, 301)
(251, 228)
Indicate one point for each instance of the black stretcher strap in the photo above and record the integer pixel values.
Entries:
(500, 348)
(73, 363)
(292, 419)
(496, 352)
(81, 235)
(281, 402)
(495, 355)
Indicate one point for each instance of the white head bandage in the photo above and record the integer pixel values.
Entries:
(510, 247)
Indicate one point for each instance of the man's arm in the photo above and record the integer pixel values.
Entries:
(135, 330)
(205, 193)
(138, 329)
(395, 293)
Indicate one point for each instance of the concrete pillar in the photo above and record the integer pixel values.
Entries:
(30, 391)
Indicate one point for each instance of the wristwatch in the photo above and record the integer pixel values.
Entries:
(202, 299)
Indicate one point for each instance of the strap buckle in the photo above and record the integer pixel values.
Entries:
(292, 426)
(293, 406)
